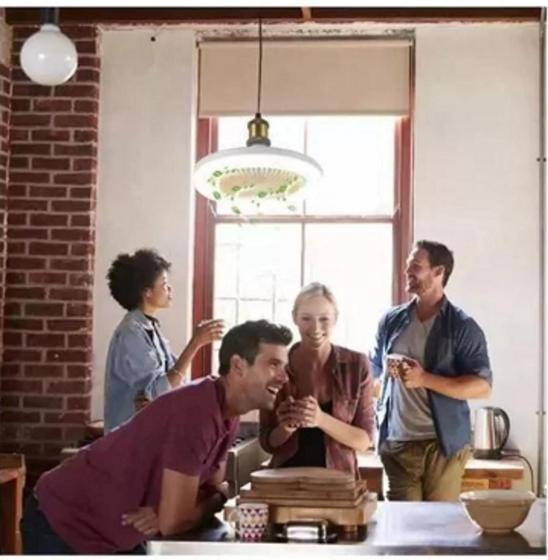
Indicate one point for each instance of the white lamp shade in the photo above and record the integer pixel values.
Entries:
(49, 57)
(248, 177)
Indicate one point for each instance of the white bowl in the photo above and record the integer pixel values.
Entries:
(497, 511)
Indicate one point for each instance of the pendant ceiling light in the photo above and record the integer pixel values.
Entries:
(258, 174)
(48, 57)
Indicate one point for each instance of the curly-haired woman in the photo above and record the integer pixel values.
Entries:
(140, 365)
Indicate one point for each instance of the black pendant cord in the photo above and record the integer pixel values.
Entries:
(260, 72)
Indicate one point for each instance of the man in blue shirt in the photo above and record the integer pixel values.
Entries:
(423, 418)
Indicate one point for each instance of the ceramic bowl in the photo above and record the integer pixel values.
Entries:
(497, 511)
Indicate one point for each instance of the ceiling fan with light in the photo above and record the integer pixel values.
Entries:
(257, 174)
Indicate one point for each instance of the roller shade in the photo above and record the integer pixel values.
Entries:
(320, 77)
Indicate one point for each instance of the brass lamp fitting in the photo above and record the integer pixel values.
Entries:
(258, 131)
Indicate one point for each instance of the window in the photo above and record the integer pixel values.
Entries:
(349, 233)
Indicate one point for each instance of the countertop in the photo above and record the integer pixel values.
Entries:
(396, 528)
(475, 468)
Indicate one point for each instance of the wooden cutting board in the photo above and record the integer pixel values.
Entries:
(302, 478)
(358, 515)
(350, 517)
(323, 492)
(310, 501)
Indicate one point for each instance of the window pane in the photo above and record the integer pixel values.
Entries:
(257, 272)
(355, 261)
(259, 268)
(357, 156)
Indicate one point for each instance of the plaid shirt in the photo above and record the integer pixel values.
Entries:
(352, 403)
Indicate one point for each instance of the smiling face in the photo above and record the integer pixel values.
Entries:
(159, 295)
(420, 277)
(315, 317)
(261, 381)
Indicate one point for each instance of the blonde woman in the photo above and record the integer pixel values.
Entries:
(325, 412)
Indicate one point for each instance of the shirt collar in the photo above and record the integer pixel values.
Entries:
(336, 357)
(410, 306)
(147, 322)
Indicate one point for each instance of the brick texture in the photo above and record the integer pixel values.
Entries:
(5, 108)
(47, 215)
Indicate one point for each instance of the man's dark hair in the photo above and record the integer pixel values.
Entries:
(244, 340)
(129, 275)
(438, 255)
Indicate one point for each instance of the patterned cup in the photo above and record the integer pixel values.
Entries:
(396, 365)
(251, 521)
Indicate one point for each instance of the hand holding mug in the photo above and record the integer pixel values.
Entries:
(286, 415)
(414, 375)
(208, 331)
(396, 365)
(307, 411)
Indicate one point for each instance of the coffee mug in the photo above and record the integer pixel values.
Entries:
(396, 365)
(251, 521)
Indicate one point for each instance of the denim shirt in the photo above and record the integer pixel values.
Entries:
(455, 346)
(137, 362)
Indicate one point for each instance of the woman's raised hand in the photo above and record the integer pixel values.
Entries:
(207, 331)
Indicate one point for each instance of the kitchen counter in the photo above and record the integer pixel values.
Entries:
(479, 474)
(415, 528)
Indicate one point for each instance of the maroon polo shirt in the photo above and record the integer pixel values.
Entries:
(85, 497)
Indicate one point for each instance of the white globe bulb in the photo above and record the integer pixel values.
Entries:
(49, 57)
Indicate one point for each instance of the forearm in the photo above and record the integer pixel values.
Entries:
(176, 374)
(203, 509)
(278, 436)
(463, 387)
(351, 436)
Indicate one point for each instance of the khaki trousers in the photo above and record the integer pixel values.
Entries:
(417, 471)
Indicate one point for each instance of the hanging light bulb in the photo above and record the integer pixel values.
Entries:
(257, 173)
(49, 57)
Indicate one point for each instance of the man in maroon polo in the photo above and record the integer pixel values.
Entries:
(161, 472)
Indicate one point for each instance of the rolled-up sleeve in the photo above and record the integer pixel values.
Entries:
(139, 365)
(376, 353)
(471, 354)
(365, 410)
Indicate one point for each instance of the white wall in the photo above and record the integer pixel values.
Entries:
(477, 189)
(146, 149)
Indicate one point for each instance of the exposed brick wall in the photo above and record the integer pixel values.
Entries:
(45, 388)
(5, 92)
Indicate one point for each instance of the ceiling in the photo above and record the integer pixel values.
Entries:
(239, 15)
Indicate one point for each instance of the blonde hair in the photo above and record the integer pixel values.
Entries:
(315, 289)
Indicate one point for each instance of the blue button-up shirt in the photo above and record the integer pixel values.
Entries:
(455, 346)
(138, 360)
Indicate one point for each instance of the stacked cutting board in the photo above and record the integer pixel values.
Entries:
(311, 493)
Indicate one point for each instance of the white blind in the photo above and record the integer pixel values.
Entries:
(322, 77)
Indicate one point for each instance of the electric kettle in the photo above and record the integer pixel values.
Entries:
(491, 431)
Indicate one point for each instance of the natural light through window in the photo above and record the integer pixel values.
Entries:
(342, 234)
